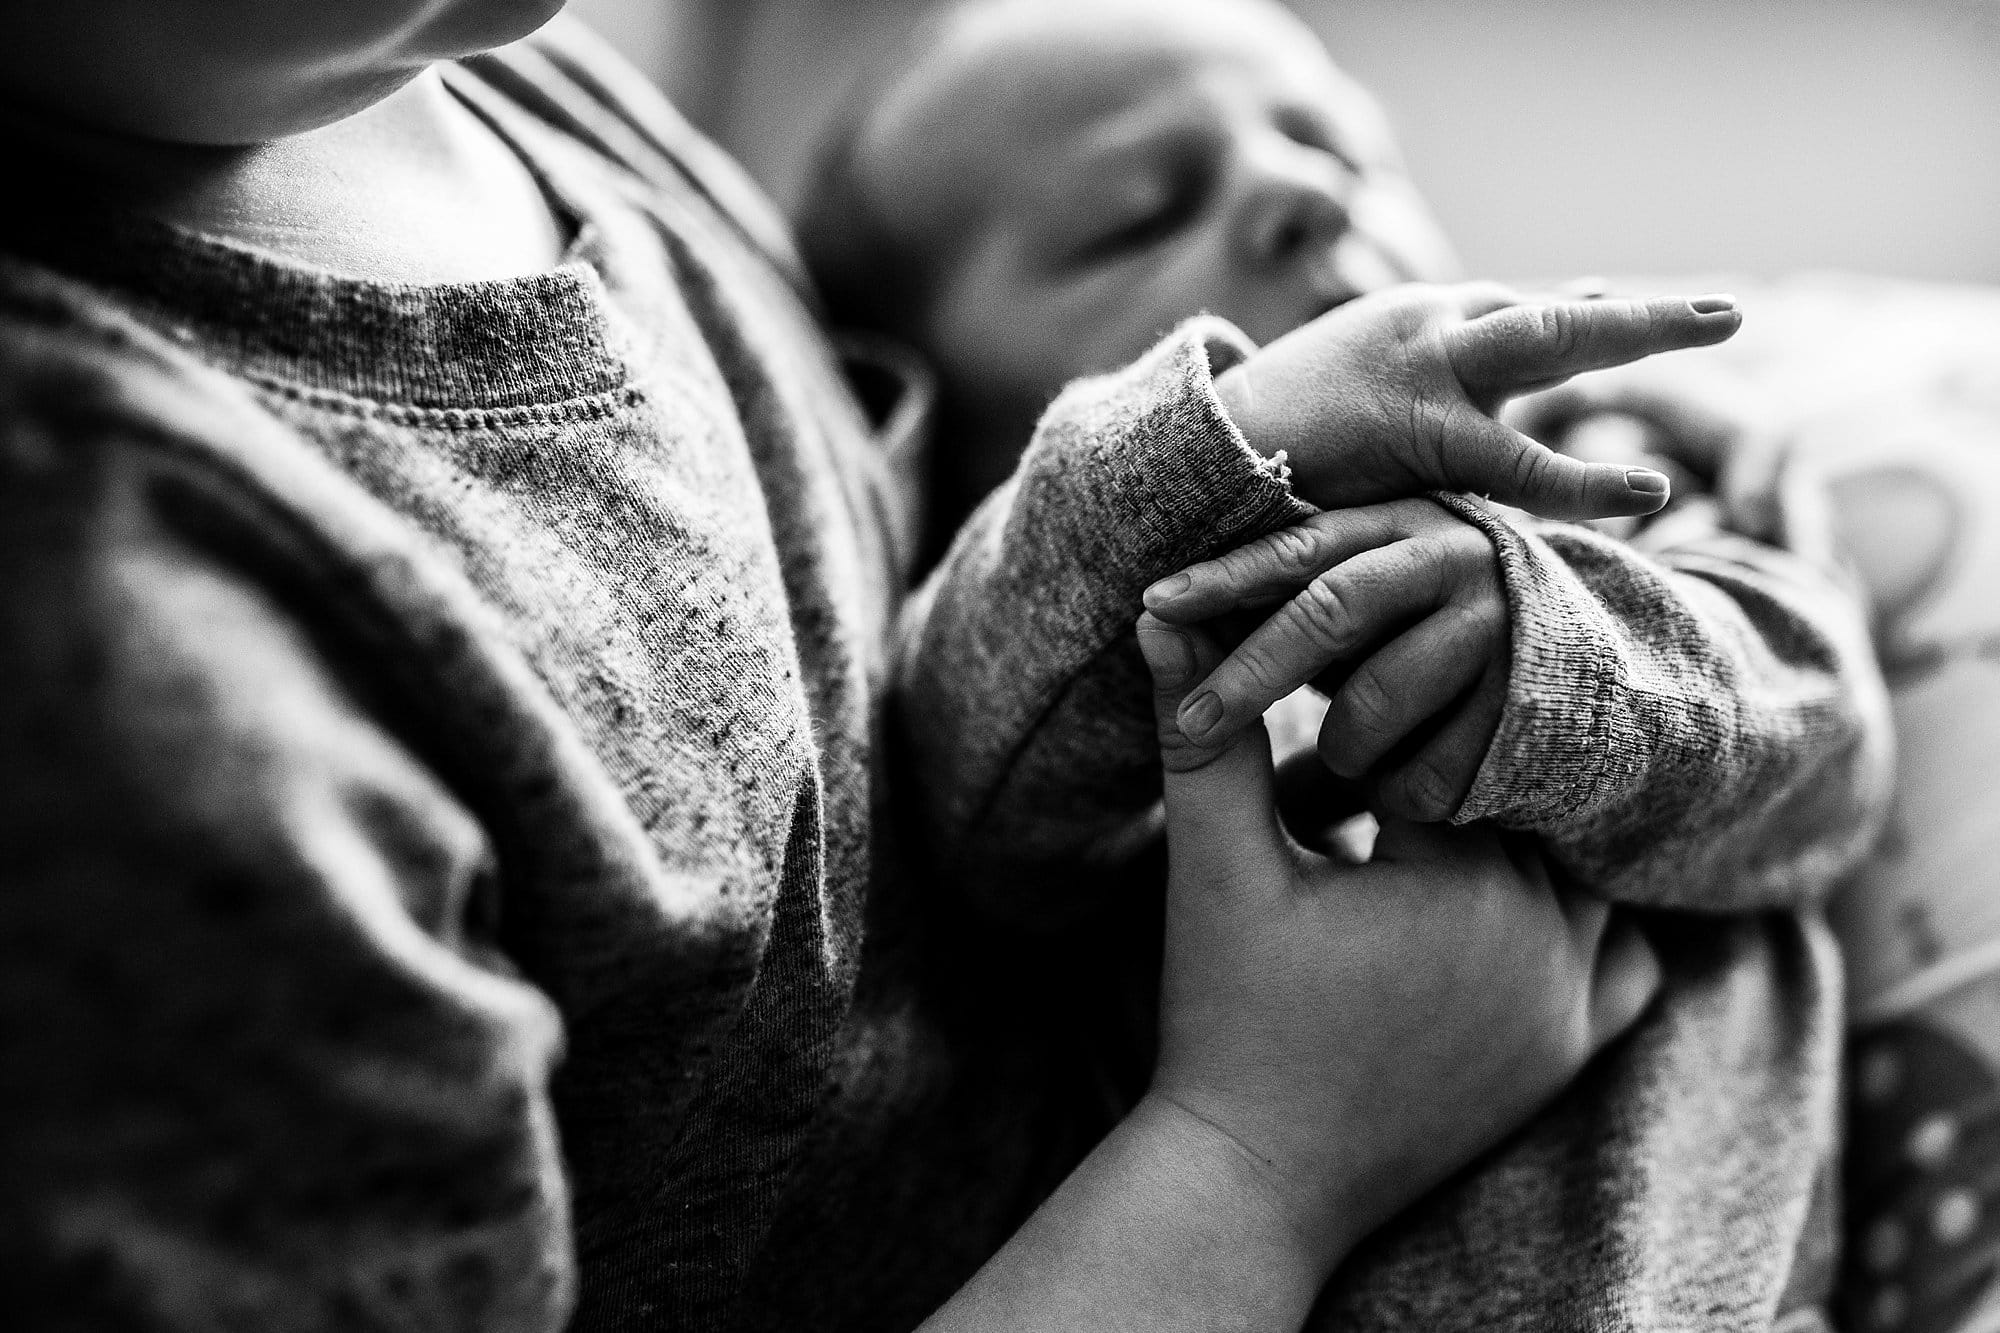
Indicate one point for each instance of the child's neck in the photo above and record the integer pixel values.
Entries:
(412, 189)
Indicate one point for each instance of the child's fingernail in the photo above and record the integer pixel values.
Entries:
(1199, 715)
(1169, 655)
(1646, 481)
(1167, 589)
(1718, 304)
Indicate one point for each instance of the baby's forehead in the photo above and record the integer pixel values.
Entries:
(1007, 77)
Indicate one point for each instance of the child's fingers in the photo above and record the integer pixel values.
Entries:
(1414, 677)
(1275, 566)
(1433, 784)
(1334, 616)
(1479, 454)
(1338, 614)
(1510, 349)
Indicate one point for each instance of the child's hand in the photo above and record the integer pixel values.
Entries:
(1394, 394)
(1407, 589)
(1360, 1032)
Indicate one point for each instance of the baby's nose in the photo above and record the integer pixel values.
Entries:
(1295, 205)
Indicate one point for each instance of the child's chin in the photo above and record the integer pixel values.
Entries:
(472, 26)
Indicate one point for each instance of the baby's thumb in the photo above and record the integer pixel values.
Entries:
(1221, 800)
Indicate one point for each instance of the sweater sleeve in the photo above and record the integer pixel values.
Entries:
(1703, 728)
(263, 1062)
(1023, 700)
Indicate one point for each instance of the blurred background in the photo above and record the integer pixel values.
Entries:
(1555, 137)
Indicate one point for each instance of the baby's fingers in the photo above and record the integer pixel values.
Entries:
(1479, 454)
(1521, 347)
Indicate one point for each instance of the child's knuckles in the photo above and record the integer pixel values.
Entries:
(1532, 473)
(1415, 515)
(1323, 613)
(1256, 676)
(1469, 552)
(1294, 554)
(1479, 618)
(1430, 563)
(1564, 331)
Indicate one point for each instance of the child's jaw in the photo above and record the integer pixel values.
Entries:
(235, 72)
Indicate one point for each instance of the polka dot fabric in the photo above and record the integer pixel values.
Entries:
(1923, 1170)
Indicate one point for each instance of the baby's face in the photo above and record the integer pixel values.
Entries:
(1090, 174)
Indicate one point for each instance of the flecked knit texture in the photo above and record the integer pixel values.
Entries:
(1703, 726)
(451, 873)
(1703, 729)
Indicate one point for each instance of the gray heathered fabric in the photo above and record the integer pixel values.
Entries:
(1702, 729)
(448, 869)
(449, 872)
(1703, 726)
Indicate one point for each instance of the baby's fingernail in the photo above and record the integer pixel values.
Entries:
(1719, 304)
(1646, 481)
(1167, 589)
(1169, 655)
(1200, 714)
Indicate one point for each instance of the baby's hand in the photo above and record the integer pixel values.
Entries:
(1394, 394)
(1409, 591)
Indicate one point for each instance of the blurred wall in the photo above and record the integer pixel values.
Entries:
(1556, 136)
(1608, 135)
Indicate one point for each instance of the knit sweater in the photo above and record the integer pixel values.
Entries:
(1693, 721)
(1698, 726)
(451, 857)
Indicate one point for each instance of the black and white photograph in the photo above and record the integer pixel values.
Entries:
(1000, 666)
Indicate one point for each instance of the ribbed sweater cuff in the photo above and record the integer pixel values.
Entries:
(1182, 476)
(1551, 751)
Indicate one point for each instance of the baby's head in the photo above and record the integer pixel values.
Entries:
(1040, 188)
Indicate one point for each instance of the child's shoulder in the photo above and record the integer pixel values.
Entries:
(79, 371)
(108, 428)
(74, 365)
(574, 81)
